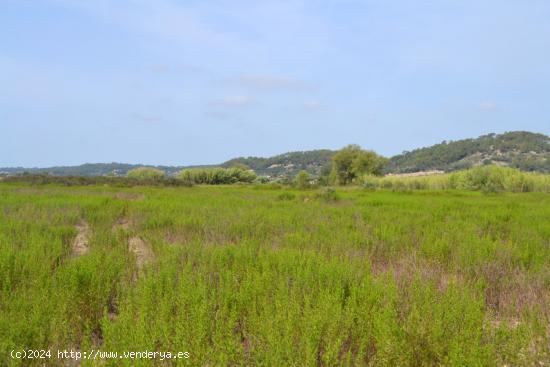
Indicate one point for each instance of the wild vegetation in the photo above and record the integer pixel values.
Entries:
(518, 149)
(351, 162)
(287, 164)
(302, 180)
(485, 179)
(217, 176)
(87, 169)
(146, 173)
(267, 275)
(114, 181)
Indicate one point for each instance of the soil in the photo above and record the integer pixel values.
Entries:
(80, 244)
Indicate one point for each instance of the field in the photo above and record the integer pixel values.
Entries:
(270, 276)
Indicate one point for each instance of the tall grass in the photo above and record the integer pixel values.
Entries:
(241, 277)
(146, 173)
(486, 179)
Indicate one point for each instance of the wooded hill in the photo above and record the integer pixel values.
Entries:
(288, 164)
(520, 149)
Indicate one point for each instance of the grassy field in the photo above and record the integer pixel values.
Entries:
(260, 276)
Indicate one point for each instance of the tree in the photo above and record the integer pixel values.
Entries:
(302, 180)
(351, 162)
(146, 173)
(241, 166)
(324, 175)
(216, 176)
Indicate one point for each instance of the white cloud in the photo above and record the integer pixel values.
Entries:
(266, 82)
(229, 107)
(149, 119)
(160, 68)
(238, 101)
(312, 105)
(487, 105)
(269, 82)
(164, 68)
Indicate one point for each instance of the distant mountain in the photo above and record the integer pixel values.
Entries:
(288, 164)
(520, 149)
(90, 169)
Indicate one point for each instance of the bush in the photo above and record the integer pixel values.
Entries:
(370, 182)
(261, 180)
(328, 194)
(146, 173)
(217, 176)
(286, 196)
(492, 179)
(302, 180)
(488, 179)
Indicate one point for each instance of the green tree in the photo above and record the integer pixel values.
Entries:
(146, 173)
(241, 166)
(351, 162)
(302, 180)
(216, 176)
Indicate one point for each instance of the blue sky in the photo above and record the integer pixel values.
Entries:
(190, 82)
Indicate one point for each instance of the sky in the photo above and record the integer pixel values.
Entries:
(181, 82)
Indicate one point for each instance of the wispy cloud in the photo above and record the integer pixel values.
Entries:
(160, 68)
(312, 105)
(267, 83)
(229, 106)
(238, 101)
(487, 105)
(149, 119)
(163, 68)
(270, 82)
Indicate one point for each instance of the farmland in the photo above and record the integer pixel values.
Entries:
(271, 276)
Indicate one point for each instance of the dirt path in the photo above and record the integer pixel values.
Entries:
(80, 245)
(142, 251)
(137, 245)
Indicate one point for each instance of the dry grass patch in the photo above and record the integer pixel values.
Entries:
(142, 251)
(80, 245)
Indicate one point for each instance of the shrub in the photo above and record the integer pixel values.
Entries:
(286, 196)
(302, 180)
(488, 179)
(217, 176)
(370, 182)
(328, 194)
(492, 179)
(146, 173)
(261, 180)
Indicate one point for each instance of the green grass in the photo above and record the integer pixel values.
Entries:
(274, 277)
(488, 179)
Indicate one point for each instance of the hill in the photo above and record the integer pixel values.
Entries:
(519, 149)
(288, 164)
(89, 169)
